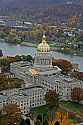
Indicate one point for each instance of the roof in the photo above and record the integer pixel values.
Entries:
(34, 71)
(19, 94)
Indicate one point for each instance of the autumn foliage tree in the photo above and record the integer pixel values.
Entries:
(52, 102)
(13, 114)
(72, 21)
(10, 83)
(4, 64)
(6, 61)
(77, 94)
(64, 65)
(52, 99)
(78, 75)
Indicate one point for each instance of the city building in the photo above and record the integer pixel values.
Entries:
(44, 74)
(25, 98)
(20, 69)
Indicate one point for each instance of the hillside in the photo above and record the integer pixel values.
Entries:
(42, 10)
(28, 3)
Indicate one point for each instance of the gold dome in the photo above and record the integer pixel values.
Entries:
(44, 47)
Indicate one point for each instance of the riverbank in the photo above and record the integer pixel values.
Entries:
(68, 51)
(20, 42)
(28, 44)
(10, 49)
(72, 52)
(53, 46)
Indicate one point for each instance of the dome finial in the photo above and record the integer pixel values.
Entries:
(44, 38)
(44, 35)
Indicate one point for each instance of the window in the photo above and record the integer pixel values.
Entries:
(24, 112)
(21, 104)
(25, 103)
(32, 104)
(40, 95)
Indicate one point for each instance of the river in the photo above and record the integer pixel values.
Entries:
(12, 50)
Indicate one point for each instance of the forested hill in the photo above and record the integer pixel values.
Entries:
(28, 3)
(42, 9)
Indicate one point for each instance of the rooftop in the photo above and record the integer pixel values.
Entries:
(20, 93)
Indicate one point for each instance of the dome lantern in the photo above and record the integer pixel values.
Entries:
(43, 47)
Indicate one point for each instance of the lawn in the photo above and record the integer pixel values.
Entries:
(73, 106)
(41, 109)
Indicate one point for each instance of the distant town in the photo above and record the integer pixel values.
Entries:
(62, 38)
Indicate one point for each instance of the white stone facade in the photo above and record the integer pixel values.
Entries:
(43, 74)
(26, 98)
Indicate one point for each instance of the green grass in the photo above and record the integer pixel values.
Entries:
(72, 106)
(73, 120)
(41, 109)
(75, 107)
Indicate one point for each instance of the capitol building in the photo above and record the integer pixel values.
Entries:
(39, 78)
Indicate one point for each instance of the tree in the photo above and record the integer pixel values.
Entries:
(5, 64)
(39, 117)
(23, 122)
(78, 75)
(52, 101)
(1, 54)
(10, 83)
(12, 36)
(77, 94)
(28, 121)
(24, 58)
(64, 65)
(38, 122)
(72, 21)
(18, 58)
(11, 59)
(45, 122)
(29, 58)
(13, 114)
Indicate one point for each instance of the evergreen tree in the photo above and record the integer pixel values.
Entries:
(45, 122)
(1, 54)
